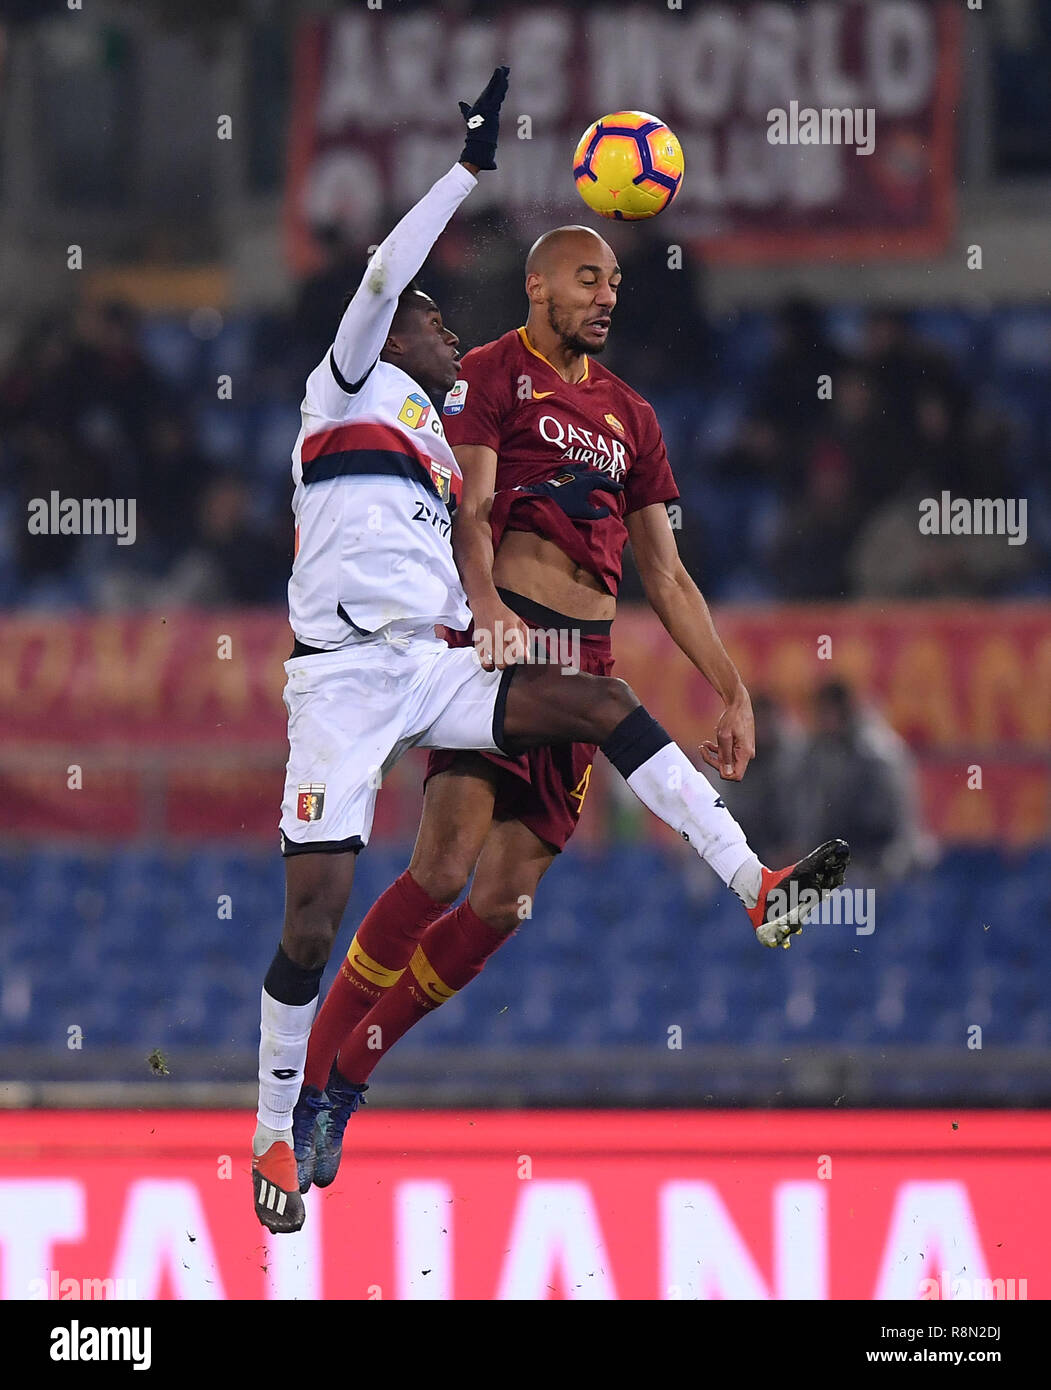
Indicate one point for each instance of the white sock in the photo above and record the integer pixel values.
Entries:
(671, 787)
(265, 1136)
(748, 880)
(284, 1033)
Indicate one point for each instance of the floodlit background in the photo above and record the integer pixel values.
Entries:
(187, 198)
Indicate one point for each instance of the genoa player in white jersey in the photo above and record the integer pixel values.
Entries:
(368, 678)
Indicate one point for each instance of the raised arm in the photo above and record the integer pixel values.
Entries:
(365, 324)
(367, 319)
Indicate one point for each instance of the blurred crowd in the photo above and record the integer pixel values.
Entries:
(848, 775)
(85, 414)
(850, 463)
(802, 457)
(835, 770)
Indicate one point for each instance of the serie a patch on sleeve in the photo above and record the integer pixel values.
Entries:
(455, 398)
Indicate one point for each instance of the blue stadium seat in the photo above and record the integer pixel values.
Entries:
(129, 946)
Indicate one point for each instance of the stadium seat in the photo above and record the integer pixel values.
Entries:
(129, 945)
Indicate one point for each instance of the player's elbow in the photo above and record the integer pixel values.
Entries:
(663, 584)
(377, 279)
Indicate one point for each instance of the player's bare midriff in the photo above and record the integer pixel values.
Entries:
(540, 570)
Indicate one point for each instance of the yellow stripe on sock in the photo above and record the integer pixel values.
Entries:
(370, 969)
(434, 987)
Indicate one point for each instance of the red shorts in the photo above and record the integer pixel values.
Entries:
(544, 788)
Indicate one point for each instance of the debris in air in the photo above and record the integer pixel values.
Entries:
(158, 1063)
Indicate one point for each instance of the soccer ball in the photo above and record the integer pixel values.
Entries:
(628, 166)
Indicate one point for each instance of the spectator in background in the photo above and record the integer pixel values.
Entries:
(841, 471)
(115, 391)
(765, 799)
(172, 476)
(802, 353)
(233, 559)
(903, 367)
(660, 339)
(893, 558)
(475, 273)
(859, 775)
(319, 300)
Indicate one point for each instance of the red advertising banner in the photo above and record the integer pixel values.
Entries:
(176, 726)
(529, 1205)
(949, 677)
(808, 130)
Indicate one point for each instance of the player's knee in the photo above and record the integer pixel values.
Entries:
(501, 911)
(308, 936)
(309, 949)
(613, 702)
(443, 879)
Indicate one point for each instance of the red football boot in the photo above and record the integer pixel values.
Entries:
(275, 1179)
(788, 896)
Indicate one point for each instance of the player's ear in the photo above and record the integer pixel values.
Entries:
(534, 287)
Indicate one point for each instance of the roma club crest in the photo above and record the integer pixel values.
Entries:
(311, 802)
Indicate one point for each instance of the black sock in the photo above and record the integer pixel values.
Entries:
(634, 741)
(290, 983)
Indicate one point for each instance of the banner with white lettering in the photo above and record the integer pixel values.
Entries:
(527, 1205)
(809, 130)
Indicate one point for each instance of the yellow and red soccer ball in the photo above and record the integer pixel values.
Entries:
(628, 166)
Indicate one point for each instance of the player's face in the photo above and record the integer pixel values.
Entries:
(582, 297)
(430, 356)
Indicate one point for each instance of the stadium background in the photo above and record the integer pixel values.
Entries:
(902, 682)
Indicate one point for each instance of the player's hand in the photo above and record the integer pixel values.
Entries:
(501, 638)
(572, 488)
(734, 746)
(483, 122)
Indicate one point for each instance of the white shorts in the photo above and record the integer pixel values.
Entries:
(352, 714)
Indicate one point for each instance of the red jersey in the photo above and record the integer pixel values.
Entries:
(511, 399)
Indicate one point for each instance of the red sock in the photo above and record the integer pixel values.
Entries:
(376, 960)
(451, 953)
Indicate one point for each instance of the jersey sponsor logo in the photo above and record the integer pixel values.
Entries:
(584, 446)
(311, 801)
(542, 395)
(613, 423)
(455, 398)
(414, 411)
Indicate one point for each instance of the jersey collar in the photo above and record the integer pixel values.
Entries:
(530, 348)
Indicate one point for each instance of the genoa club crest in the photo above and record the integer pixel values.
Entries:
(442, 478)
(311, 801)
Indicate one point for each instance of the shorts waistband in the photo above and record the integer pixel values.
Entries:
(534, 612)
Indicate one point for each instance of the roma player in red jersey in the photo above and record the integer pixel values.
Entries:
(563, 463)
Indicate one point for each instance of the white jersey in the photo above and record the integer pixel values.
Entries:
(373, 486)
(375, 479)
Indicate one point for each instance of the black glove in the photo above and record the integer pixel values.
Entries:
(483, 122)
(572, 489)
